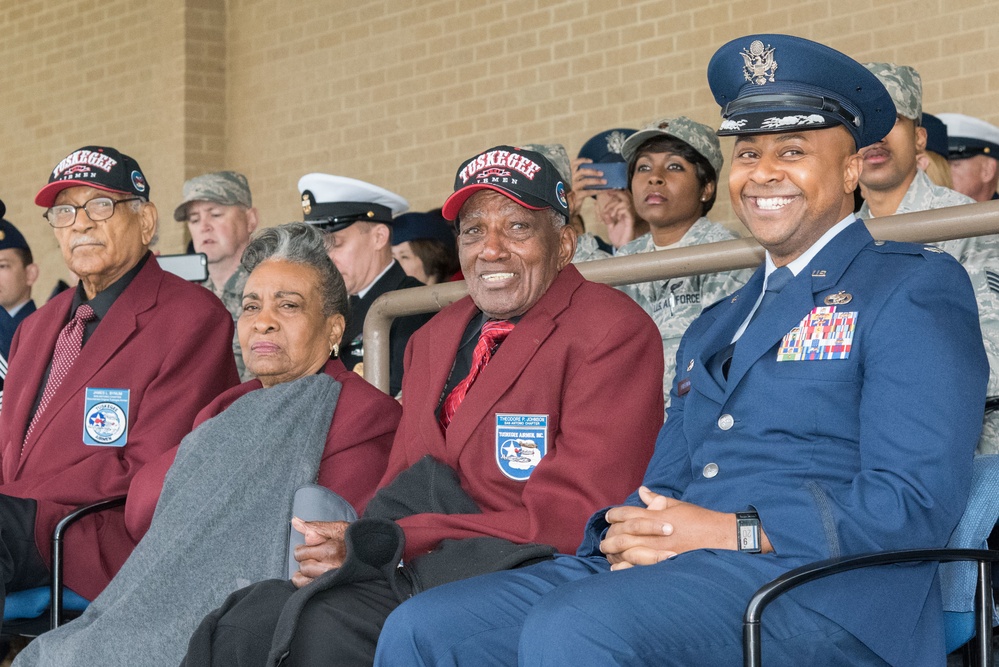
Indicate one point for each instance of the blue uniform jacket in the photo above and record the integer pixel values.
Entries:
(838, 456)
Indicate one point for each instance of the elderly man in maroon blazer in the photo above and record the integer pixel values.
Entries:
(103, 378)
(540, 391)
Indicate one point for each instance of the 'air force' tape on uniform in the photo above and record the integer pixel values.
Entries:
(778, 83)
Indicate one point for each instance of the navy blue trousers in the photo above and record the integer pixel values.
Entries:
(574, 611)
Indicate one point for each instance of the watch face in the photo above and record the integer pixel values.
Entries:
(748, 532)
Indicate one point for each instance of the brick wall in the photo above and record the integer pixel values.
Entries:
(398, 92)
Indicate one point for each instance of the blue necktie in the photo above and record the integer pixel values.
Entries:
(720, 362)
(775, 283)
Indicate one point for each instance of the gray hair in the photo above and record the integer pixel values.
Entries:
(299, 243)
(557, 219)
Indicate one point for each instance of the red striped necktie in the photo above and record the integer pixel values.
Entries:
(67, 349)
(493, 333)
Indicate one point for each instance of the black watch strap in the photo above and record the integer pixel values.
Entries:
(747, 532)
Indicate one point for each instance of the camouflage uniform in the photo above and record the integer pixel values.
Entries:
(587, 249)
(231, 296)
(980, 257)
(228, 188)
(675, 303)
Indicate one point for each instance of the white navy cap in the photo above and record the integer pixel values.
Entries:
(968, 136)
(333, 203)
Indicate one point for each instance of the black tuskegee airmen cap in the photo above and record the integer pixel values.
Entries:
(777, 83)
(527, 177)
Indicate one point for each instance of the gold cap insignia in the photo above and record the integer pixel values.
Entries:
(306, 203)
(838, 299)
(760, 64)
(371, 214)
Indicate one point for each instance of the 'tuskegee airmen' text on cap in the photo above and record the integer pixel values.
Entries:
(333, 203)
(968, 136)
(525, 176)
(99, 167)
(778, 83)
(228, 188)
(698, 136)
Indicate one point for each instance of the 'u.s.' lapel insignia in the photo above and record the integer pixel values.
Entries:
(819, 273)
(838, 299)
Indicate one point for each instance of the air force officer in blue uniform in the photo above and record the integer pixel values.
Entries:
(833, 415)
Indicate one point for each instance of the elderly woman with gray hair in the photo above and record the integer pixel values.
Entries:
(222, 518)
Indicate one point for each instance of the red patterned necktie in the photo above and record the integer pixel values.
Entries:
(493, 333)
(67, 348)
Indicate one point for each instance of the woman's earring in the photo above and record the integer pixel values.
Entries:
(334, 349)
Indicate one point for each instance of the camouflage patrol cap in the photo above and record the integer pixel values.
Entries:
(228, 188)
(700, 137)
(557, 155)
(904, 85)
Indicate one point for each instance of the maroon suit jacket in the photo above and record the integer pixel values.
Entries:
(356, 453)
(166, 340)
(586, 356)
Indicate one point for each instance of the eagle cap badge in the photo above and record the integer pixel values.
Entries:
(759, 63)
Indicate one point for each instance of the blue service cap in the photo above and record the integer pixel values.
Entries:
(10, 236)
(430, 225)
(778, 83)
(936, 134)
(606, 146)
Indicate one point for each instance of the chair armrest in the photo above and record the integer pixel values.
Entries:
(802, 575)
(55, 608)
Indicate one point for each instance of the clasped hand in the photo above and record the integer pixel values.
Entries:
(324, 549)
(662, 529)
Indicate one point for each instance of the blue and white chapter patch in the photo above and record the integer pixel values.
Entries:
(105, 417)
(521, 443)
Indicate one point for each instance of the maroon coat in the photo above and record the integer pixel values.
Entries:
(587, 357)
(166, 340)
(356, 453)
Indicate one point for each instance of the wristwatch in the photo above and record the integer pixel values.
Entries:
(747, 532)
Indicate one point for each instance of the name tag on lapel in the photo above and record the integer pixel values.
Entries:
(823, 334)
(105, 417)
(521, 443)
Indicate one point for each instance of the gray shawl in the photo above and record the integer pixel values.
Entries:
(222, 522)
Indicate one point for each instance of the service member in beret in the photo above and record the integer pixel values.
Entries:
(807, 421)
(933, 158)
(512, 431)
(973, 154)
(673, 167)
(357, 218)
(892, 183)
(103, 378)
(425, 247)
(218, 209)
(18, 272)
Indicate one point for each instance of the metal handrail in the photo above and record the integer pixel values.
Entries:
(924, 227)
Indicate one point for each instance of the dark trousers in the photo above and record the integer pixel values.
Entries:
(339, 626)
(21, 566)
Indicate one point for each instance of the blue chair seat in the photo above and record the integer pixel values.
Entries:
(34, 602)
